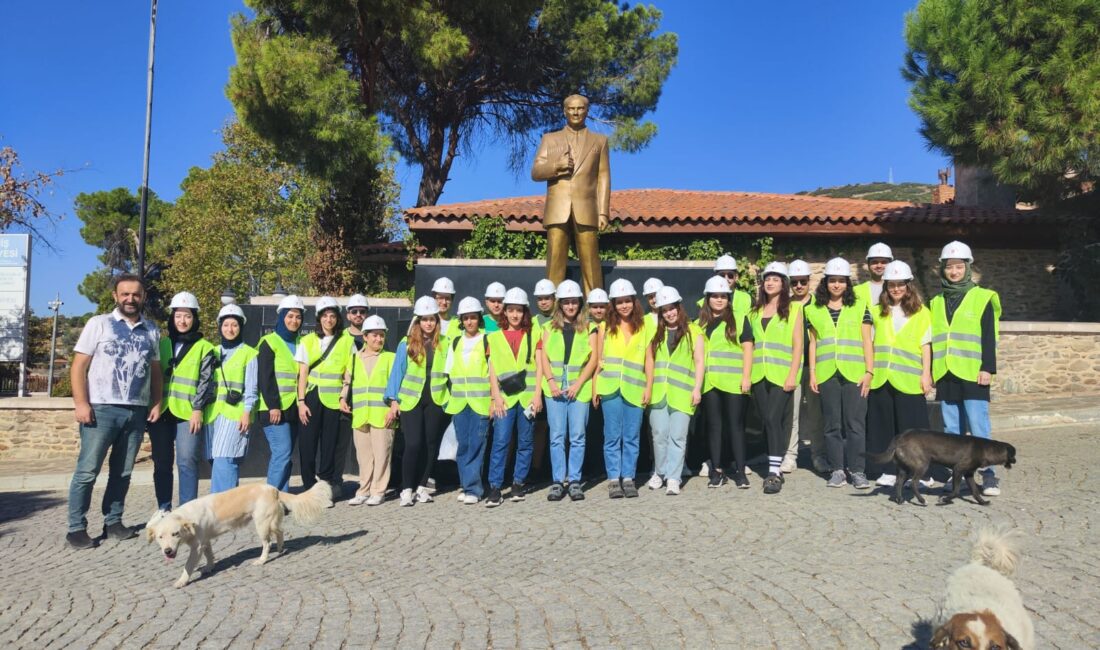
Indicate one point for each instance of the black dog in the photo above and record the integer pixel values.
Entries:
(913, 450)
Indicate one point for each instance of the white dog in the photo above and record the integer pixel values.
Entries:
(982, 608)
(196, 523)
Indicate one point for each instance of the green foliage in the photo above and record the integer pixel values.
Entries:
(490, 240)
(310, 75)
(1011, 85)
(912, 192)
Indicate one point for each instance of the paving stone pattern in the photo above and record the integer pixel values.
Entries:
(809, 568)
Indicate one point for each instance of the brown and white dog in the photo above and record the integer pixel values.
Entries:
(981, 608)
(196, 523)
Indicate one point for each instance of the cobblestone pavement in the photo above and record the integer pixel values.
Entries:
(809, 568)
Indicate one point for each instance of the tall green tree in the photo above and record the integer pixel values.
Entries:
(110, 222)
(1012, 85)
(310, 75)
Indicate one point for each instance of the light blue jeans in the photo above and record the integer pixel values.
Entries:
(471, 429)
(622, 427)
(566, 417)
(118, 429)
(280, 440)
(968, 415)
(224, 474)
(502, 438)
(670, 432)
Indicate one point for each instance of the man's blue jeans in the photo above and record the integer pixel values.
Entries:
(670, 432)
(622, 427)
(566, 417)
(471, 429)
(119, 429)
(172, 435)
(968, 415)
(502, 437)
(280, 440)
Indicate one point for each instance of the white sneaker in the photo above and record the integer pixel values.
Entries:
(357, 500)
(673, 487)
(886, 480)
(423, 496)
(470, 499)
(431, 486)
(991, 486)
(654, 482)
(461, 495)
(375, 500)
(704, 470)
(407, 497)
(788, 465)
(926, 483)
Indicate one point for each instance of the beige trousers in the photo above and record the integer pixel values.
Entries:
(373, 448)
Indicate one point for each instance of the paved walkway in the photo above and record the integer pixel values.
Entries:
(809, 568)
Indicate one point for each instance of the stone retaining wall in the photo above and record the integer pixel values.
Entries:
(38, 427)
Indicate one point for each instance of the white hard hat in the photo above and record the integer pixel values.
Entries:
(516, 296)
(667, 296)
(544, 287)
(880, 250)
(569, 289)
(374, 323)
(326, 302)
(897, 270)
(232, 310)
(717, 284)
(597, 296)
(652, 285)
(495, 290)
(799, 269)
(956, 250)
(838, 266)
(358, 300)
(621, 288)
(779, 268)
(425, 306)
(469, 305)
(725, 263)
(184, 300)
(443, 285)
(292, 302)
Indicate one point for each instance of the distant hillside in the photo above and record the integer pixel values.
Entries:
(915, 192)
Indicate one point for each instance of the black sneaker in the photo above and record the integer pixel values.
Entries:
(740, 480)
(557, 492)
(615, 489)
(773, 484)
(519, 492)
(118, 531)
(79, 539)
(716, 479)
(629, 490)
(493, 499)
(575, 492)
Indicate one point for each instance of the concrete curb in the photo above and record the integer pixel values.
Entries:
(1009, 422)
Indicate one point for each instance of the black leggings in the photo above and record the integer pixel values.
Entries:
(725, 414)
(318, 441)
(422, 428)
(771, 402)
(890, 412)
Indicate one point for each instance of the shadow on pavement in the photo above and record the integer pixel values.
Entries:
(292, 546)
(17, 505)
(922, 636)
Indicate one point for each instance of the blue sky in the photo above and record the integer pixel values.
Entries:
(769, 97)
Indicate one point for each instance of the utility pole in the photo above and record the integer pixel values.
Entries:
(148, 130)
(55, 307)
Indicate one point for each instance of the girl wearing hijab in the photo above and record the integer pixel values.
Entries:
(187, 361)
(277, 378)
(965, 329)
(229, 416)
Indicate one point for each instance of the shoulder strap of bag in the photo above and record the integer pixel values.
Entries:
(324, 355)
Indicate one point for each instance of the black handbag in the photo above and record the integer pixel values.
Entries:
(517, 383)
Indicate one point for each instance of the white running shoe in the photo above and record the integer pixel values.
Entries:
(470, 499)
(375, 500)
(423, 496)
(886, 480)
(704, 470)
(673, 487)
(357, 500)
(991, 486)
(788, 465)
(654, 482)
(461, 495)
(407, 497)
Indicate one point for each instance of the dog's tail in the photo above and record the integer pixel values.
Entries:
(884, 457)
(996, 549)
(306, 507)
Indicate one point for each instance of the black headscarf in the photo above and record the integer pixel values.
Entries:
(191, 335)
(229, 344)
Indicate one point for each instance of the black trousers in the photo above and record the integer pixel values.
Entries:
(845, 414)
(421, 428)
(724, 418)
(890, 412)
(317, 443)
(772, 402)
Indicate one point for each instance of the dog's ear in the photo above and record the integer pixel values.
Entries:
(941, 637)
(150, 534)
(1011, 643)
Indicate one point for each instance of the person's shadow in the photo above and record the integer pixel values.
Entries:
(922, 635)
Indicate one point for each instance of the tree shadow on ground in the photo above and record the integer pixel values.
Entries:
(18, 505)
(922, 635)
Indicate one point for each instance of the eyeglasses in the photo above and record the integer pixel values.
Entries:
(357, 311)
(728, 275)
(799, 283)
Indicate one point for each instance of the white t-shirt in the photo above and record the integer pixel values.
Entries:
(301, 355)
(469, 343)
(121, 354)
(876, 291)
(898, 317)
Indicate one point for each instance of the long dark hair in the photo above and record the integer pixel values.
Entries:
(524, 323)
(822, 295)
(613, 319)
(337, 329)
(910, 304)
(783, 309)
(681, 324)
(708, 317)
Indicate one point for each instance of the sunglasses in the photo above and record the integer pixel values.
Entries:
(728, 275)
(357, 311)
(799, 283)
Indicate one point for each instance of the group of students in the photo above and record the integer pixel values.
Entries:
(868, 353)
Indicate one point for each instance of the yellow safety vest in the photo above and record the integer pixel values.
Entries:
(898, 356)
(674, 374)
(774, 346)
(181, 387)
(328, 376)
(957, 346)
(622, 367)
(469, 380)
(579, 353)
(505, 364)
(839, 346)
(724, 367)
(233, 369)
(412, 384)
(365, 395)
(863, 292)
(742, 305)
(286, 372)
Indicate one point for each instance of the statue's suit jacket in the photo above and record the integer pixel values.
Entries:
(587, 193)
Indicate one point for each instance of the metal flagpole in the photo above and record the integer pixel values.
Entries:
(148, 129)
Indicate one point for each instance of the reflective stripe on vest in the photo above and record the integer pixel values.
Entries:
(412, 384)
(724, 362)
(286, 372)
(957, 346)
(469, 381)
(674, 374)
(579, 353)
(328, 376)
(622, 367)
(774, 347)
(365, 395)
(898, 356)
(839, 346)
(506, 364)
(181, 387)
(233, 369)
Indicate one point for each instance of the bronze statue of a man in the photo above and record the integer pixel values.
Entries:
(576, 166)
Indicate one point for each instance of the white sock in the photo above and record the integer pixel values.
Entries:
(773, 464)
